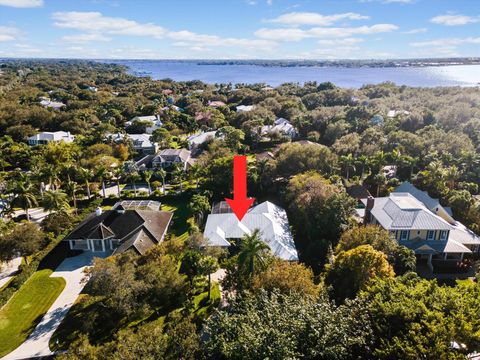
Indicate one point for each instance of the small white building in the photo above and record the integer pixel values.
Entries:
(154, 119)
(223, 229)
(393, 113)
(46, 137)
(245, 108)
(281, 126)
(55, 105)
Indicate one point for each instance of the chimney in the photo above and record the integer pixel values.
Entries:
(98, 211)
(368, 209)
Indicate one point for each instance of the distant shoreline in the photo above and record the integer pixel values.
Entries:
(341, 63)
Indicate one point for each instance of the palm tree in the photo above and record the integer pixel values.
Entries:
(23, 191)
(348, 162)
(251, 256)
(71, 189)
(380, 180)
(134, 177)
(117, 174)
(208, 265)
(55, 200)
(452, 174)
(147, 175)
(87, 175)
(162, 173)
(363, 161)
(179, 175)
(379, 160)
(395, 156)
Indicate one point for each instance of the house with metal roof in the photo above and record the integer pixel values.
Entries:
(194, 141)
(421, 223)
(280, 126)
(137, 227)
(45, 137)
(223, 229)
(154, 120)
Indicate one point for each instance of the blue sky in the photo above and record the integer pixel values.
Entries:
(239, 29)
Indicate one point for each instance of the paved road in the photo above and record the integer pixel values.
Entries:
(71, 269)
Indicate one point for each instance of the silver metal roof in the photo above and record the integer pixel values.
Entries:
(269, 218)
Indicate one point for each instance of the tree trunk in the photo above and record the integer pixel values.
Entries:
(26, 260)
(103, 189)
(118, 188)
(75, 203)
(26, 213)
(209, 285)
(88, 189)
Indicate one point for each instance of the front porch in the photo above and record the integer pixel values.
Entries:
(94, 245)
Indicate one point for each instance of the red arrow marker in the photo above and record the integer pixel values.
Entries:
(240, 203)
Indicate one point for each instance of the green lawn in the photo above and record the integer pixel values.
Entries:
(181, 216)
(22, 313)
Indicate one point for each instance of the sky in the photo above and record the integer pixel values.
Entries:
(239, 29)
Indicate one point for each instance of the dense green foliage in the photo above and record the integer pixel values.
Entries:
(341, 301)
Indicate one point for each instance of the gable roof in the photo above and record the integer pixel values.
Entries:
(130, 227)
(172, 154)
(267, 217)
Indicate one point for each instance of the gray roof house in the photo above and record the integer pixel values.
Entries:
(223, 228)
(140, 142)
(125, 227)
(420, 223)
(169, 157)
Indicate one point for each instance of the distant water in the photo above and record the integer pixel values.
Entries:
(457, 75)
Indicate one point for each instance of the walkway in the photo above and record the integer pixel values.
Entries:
(8, 270)
(71, 269)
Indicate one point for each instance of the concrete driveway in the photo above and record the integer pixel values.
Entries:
(72, 270)
(8, 270)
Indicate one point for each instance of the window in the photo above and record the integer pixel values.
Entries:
(404, 235)
(443, 235)
(430, 235)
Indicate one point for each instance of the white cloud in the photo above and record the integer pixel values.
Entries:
(8, 33)
(96, 22)
(416, 31)
(269, 2)
(96, 27)
(22, 3)
(295, 34)
(310, 18)
(454, 20)
(346, 41)
(83, 38)
(447, 42)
